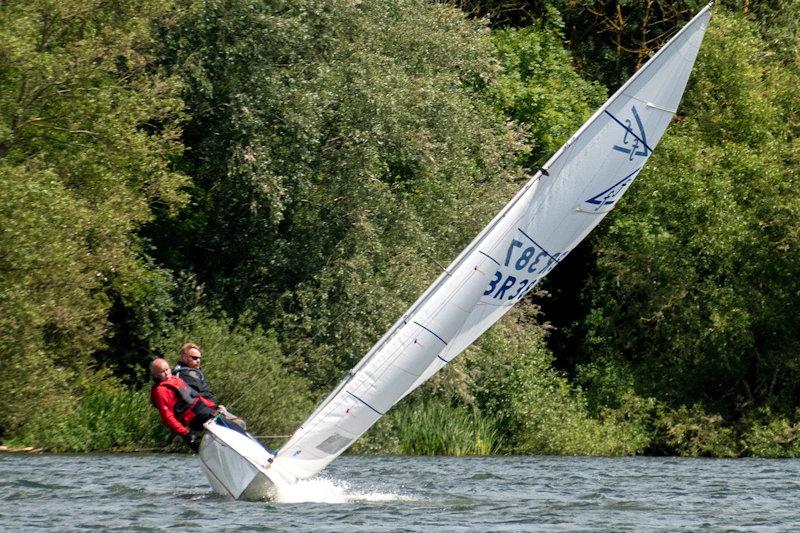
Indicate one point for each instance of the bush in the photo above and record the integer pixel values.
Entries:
(352, 141)
(380, 439)
(429, 428)
(538, 409)
(107, 416)
(423, 425)
(81, 168)
(120, 419)
(692, 432)
(770, 436)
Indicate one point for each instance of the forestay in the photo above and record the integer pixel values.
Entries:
(555, 210)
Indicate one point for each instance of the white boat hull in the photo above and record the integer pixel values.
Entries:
(236, 464)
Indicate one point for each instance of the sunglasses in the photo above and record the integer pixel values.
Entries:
(195, 357)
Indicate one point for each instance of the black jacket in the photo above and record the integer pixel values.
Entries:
(195, 379)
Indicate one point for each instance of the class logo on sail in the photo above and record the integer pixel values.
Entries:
(634, 143)
(605, 200)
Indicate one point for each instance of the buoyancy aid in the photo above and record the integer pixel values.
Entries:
(190, 405)
(195, 379)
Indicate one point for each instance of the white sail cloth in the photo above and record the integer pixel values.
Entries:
(546, 220)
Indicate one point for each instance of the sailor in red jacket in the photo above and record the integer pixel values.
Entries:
(181, 407)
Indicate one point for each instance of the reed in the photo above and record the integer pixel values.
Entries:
(428, 428)
(108, 417)
(120, 420)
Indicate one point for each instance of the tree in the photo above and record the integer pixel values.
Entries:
(341, 152)
(697, 274)
(87, 132)
(539, 88)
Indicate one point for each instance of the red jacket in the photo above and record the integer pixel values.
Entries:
(178, 404)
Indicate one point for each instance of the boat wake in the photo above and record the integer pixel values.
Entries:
(326, 490)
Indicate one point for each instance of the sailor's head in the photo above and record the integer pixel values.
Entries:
(191, 355)
(160, 370)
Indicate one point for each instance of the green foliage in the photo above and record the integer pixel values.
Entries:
(769, 436)
(35, 256)
(119, 418)
(36, 396)
(537, 408)
(777, 22)
(539, 88)
(351, 142)
(503, 396)
(86, 136)
(697, 281)
(429, 428)
(613, 38)
(107, 417)
(243, 366)
(691, 432)
(143, 304)
(606, 381)
(381, 439)
(339, 153)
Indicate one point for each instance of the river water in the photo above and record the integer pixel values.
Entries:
(150, 492)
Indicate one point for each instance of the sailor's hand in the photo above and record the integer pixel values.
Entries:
(192, 442)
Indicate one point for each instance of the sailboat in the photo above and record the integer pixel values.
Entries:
(530, 236)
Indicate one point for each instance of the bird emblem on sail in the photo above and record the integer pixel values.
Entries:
(608, 197)
(633, 143)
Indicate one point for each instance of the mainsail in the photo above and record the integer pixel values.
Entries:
(533, 233)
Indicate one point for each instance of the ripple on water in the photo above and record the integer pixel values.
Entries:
(409, 494)
(31, 484)
(195, 497)
(126, 491)
(16, 495)
(484, 475)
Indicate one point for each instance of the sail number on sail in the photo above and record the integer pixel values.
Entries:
(527, 263)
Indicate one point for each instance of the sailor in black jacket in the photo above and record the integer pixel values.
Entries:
(188, 368)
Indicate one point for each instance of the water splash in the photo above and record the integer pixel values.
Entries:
(326, 490)
(319, 490)
(377, 497)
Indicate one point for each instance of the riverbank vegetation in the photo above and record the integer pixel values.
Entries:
(278, 181)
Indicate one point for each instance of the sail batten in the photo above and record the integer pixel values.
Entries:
(530, 236)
